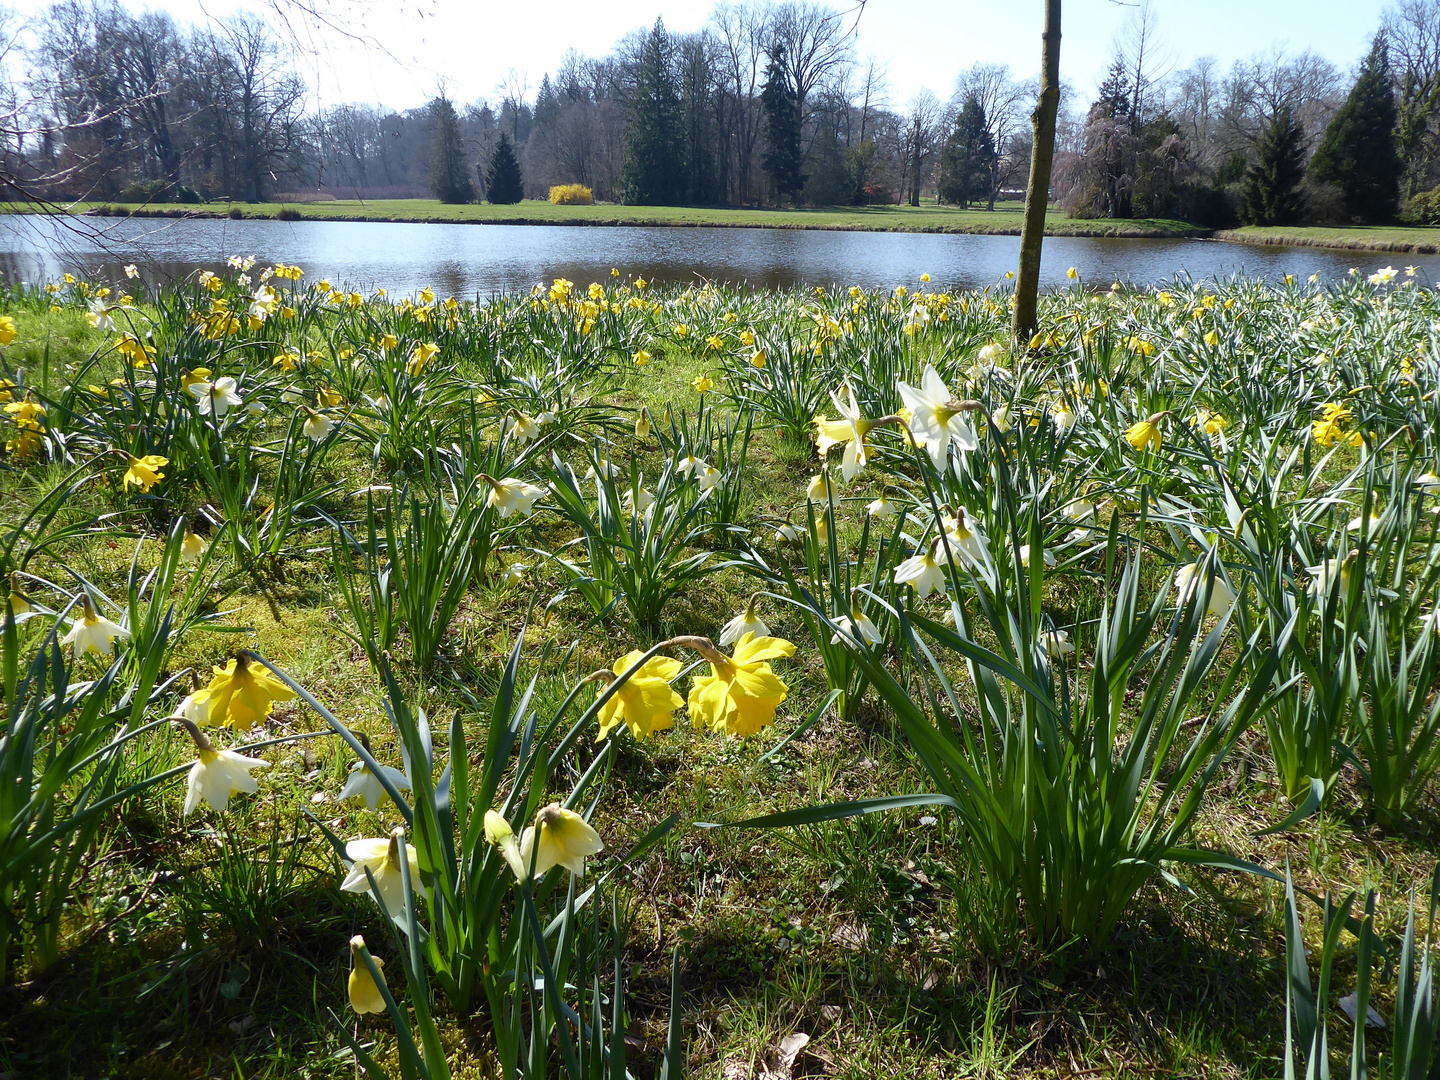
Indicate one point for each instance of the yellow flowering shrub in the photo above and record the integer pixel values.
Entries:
(571, 195)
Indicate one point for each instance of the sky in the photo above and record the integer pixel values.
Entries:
(473, 44)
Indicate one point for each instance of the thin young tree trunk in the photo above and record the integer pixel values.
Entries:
(1037, 192)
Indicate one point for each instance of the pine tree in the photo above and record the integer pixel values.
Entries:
(968, 157)
(1359, 151)
(783, 158)
(654, 170)
(449, 171)
(503, 183)
(1271, 192)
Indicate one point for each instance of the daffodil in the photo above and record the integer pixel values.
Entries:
(216, 398)
(242, 693)
(499, 833)
(524, 428)
(1222, 598)
(1001, 419)
(849, 431)
(922, 572)
(964, 536)
(363, 783)
(316, 425)
(510, 496)
(642, 425)
(935, 419)
(703, 384)
(641, 358)
(882, 508)
(747, 622)
(191, 547)
(422, 356)
(1145, 434)
(1045, 556)
(216, 774)
(144, 472)
(1371, 525)
(381, 856)
(741, 693)
(1057, 644)
(856, 628)
(645, 701)
(709, 478)
(92, 632)
(559, 837)
(365, 995)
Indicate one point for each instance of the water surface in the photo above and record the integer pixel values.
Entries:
(469, 260)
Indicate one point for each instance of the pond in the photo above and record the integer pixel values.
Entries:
(469, 260)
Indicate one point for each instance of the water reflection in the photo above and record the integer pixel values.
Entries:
(486, 259)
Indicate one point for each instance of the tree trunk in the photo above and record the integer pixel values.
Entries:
(1037, 192)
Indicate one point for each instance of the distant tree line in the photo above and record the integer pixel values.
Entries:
(767, 105)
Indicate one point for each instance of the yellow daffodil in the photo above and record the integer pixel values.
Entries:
(144, 472)
(741, 693)
(645, 701)
(420, 359)
(559, 837)
(703, 384)
(641, 358)
(7, 329)
(1145, 434)
(242, 693)
(365, 996)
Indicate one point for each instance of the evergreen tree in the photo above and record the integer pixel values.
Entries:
(783, 158)
(1358, 151)
(654, 170)
(449, 171)
(503, 183)
(968, 157)
(1271, 193)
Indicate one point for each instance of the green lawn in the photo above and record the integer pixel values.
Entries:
(929, 218)
(1417, 239)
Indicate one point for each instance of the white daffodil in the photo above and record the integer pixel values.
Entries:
(690, 465)
(559, 837)
(382, 857)
(1063, 417)
(934, 422)
(364, 783)
(546, 417)
(1057, 644)
(880, 509)
(524, 428)
(709, 478)
(787, 534)
(1430, 623)
(849, 431)
(1327, 573)
(817, 486)
(218, 774)
(1357, 523)
(1222, 597)
(747, 622)
(965, 537)
(514, 574)
(316, 426)
(855, 628)
(1045, 556)
(197, 712)
(92, 632)
(639, 500)
(499, 833)
(99, 317)
(218, 397)
(511, 495)
(922, 572)
(1001, 419)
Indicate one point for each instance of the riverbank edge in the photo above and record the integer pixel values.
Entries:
(1291, 239)
(1080, 230)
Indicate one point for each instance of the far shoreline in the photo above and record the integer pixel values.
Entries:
(931, 220)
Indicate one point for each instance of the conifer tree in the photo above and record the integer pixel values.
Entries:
(503, 182)
(1359, 151)
(1271, 192)
(654, 170)
(968, 156)
(783, 158)
(449, 171)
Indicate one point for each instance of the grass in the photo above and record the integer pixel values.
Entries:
(1416, 239)
(875, 937)
(1005, 219)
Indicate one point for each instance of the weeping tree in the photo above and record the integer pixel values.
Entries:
(1037, 192)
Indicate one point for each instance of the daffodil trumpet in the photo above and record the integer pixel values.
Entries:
(366, 986)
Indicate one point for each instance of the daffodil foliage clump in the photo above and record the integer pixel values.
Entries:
(477, 610)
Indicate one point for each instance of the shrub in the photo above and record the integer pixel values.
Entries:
(235, 213)
(288, 213)
(571, 195)
(1423, 208)
(147, 191)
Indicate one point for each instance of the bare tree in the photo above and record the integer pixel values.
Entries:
(921, 136)
(1002, 99)
(813, 41)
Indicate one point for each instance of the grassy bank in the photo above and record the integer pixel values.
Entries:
(1004, 220)
(1417, 240)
